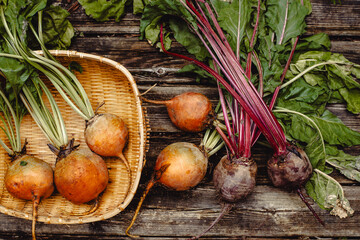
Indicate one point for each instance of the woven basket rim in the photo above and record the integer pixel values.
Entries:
(142, 146)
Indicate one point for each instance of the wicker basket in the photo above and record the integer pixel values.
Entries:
(106, 81)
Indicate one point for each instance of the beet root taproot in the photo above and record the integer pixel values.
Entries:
(234, 179)
(184, 165)
(106, 134)
(179, 166)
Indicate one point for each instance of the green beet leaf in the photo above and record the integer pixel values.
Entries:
(352, 97)
(328, 194)
(320, 41)
(157, 9)
(152, 31)
(18, 14)
(167, 41)
(347, 164)
(333, 130)
(75, 66)
(286, 18)
(333, 72)
(229, 17)
(138, 6)
(316, 151)
(57, 29)
(103, 10)
(188, 39)
(304, 98)
(303, 92)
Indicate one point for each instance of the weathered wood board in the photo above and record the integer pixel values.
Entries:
(268, 213)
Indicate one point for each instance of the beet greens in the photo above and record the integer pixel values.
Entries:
(180, 166)
(97, 134)
(279, 56)
(80, 175)
(27, 177)
(244, 92)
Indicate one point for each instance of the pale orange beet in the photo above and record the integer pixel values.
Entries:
(29, 176)
(179, 166)
(81, 176)
(190, 111)
(106, 134)
(186, 166)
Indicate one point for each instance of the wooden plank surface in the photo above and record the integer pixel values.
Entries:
(268, 212)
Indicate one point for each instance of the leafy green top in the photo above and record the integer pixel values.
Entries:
(315, 79)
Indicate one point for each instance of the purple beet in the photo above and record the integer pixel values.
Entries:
(291, 170)
(234, 180)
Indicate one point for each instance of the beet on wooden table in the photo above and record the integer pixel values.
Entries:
(268, 212)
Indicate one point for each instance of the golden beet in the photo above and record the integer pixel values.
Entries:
(81, 176)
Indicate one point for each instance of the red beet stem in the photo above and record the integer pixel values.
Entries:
(225, 209)
(309, 206)
(248, 64)
(276, 92)
(245, 93)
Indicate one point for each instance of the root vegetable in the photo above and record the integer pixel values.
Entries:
(107, 135)
(190, 111)
(234, 180)
(290, 171)
(30, 178)
(81, 176)
(27, 177)
(180, 166)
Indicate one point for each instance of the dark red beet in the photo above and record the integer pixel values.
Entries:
(291, 170)
(190, 112)
(235, 179)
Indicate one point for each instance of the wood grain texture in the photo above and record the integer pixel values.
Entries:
(334, 19)
(268, 213)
